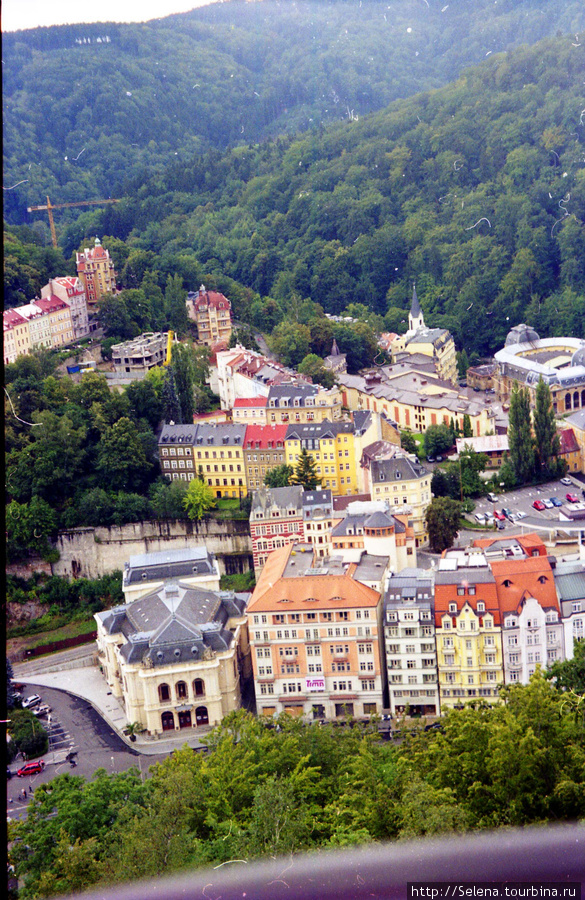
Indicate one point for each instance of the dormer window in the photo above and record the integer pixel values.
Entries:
(507, 582)
(481, 606)
(452, 607)
(543, 579)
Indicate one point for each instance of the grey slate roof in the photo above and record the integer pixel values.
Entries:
(400, 468)
(166, 564)
(318, 430)
(570, 581)
(280, 392)
(362, 419)
(472, 575)
(289, 497)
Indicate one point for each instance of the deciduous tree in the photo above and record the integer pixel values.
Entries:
(442, 518)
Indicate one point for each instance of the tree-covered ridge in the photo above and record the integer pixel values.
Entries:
(264, 791)
(89, 107)
(475, 191)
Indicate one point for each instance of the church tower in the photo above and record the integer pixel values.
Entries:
(415, 316)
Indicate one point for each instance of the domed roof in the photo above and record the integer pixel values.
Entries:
(521, 334)
(578, 358)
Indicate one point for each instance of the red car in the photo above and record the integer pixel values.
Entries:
(572, 498)
(538, 504)
(499, 515)
(31, 768)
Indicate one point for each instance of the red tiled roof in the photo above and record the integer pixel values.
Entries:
(12, 318)
(518, 578)
(50, 304)
(529, 542)
(568, 441)
(249, 402)
(260, 435)
(212, 298)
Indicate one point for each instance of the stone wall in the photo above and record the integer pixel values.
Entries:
(92, 552)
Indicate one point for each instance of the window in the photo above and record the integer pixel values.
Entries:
(199, 687)
(164, 693)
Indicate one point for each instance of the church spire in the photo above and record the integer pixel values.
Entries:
(415, 316)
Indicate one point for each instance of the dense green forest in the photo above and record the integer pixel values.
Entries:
(264, 791)
(91, 109)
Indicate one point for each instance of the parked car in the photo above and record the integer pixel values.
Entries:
(538, 504)
(520, 515)
(439, 459)
(489, 519)
(566, 481)
(572, 498)
(479, 517)
(507, 513)
(31, 768)
(548, 503)
(43, 710)
(31, 701)
(492, 498)
(501, 524)
(430, 459)
(555, 501)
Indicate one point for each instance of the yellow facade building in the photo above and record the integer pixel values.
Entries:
(213, 452)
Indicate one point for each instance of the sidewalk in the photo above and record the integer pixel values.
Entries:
(89, 684)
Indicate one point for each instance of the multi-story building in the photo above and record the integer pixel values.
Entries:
(570, 450)
(96, 271)
(146, 573)
(16, 335)
(137, 357)
(250, 411)
(243, 373)
(332, 446)
(302, 404)
(411, 655)
(39, 326)
(570, 586)
(71, 291)
(317, 520)
(59, 313)
(212, 312)
(468, 629)
(576, 422)
(212, 452)
(374, 528)
(175, 657)
(404, 484)
(263, 450)
(316, 639)
(532, 629)
(276, 519)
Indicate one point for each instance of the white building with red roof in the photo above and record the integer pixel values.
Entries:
(71, 290)
(59, 314)
(96, 271)
(39, 324)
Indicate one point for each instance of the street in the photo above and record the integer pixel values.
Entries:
(74, 725)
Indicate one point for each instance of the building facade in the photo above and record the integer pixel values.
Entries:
(212, 452)
(59, 315)
(16, 335)
(212, 313)
(371, 527)
(175, 657)
(316, 639)
(71, 291)
(96, 271)
(137, 357)
(263, 450)
(411, 653)
(276, 519)
(405, 485)
(146, 573)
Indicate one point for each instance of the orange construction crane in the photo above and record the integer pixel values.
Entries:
(51, 206)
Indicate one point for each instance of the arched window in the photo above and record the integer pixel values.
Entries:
(576, 400)
(583, 398)
(168, 721)
(568, 401)
(164, 693)
(181, 689)
(199, 687)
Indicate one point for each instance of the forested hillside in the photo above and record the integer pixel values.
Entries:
(475, 191)
(88, 108)
(265, 792)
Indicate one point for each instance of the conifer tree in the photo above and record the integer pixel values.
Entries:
(467, 429)
(306, 472)
(170, 400)
(520, 434)
(547, 444)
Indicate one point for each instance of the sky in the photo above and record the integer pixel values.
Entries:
(17, 14)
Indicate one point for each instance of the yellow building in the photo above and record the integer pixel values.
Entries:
(332, 446)
(405, 485)
(213, 452)
(302, 404)
(60, 321)
(96, 271)
(468, 631)
(212, 313)
(435, 343)
(572, 437)
(16, 336)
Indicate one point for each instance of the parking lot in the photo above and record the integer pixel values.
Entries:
(520, 502)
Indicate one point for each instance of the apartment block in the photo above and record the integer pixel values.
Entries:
(411, 654)
(71, 291)
(316, 639)
(263, 450)
(212, 312)
(212, 452)
(276, 519)
(96, 271)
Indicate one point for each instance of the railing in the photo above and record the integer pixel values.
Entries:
(553, 857)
